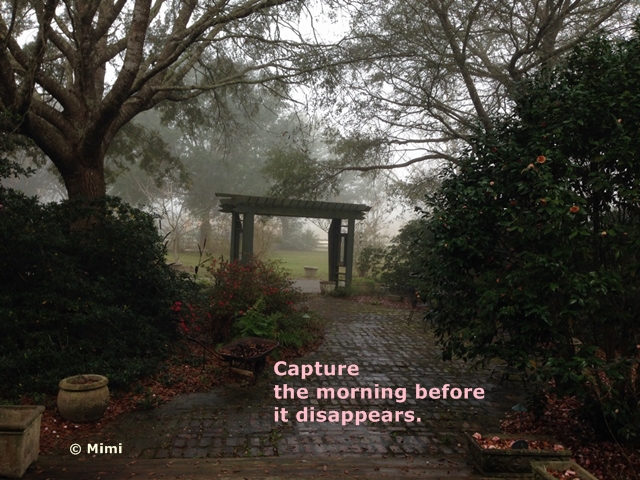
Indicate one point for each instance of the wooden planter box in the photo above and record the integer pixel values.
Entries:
(511, 463)
(19, 438)
(540, 470)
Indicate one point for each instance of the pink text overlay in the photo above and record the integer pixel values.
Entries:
(374, 392)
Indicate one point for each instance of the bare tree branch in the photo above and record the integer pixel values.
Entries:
(93, 65)
(443, 69)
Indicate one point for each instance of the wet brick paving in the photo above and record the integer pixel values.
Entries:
(238, 420)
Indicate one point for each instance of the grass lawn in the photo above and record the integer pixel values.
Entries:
(294, 261)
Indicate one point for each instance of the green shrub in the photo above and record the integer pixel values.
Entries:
(400, 260)
(293, 329)
(83, 289)
(534, 236)
(370, 261)
(396, 264)
(344, 292)
(297, 329)
(254, 322)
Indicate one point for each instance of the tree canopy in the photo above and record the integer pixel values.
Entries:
(435, 73)
(425, 76)
(73, 74)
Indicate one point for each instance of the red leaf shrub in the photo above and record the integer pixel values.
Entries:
(189, 316)
(238, 286)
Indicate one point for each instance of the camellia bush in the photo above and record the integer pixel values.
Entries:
(534, 251)
(395, 265)
(370, 261)
(399, 267)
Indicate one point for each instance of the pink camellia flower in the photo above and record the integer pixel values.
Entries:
(477, 436)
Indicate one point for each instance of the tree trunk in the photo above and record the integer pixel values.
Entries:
(175, 247)
(205, 232)
(85, 182)
(287, 229)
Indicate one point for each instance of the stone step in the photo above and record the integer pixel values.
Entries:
(273, 468)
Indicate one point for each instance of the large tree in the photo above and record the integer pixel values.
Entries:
(72, 74)
(438, 71)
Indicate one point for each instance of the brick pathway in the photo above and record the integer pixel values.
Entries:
(238, 420)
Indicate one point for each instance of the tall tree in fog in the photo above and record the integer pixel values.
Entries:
(438, 71)
(215, 142)
(223, 144)
(73, 74)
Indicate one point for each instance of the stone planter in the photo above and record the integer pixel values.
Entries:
(19, 438)
(310, 272)
(511, 463)
(540, 470)
(83, 398)
(327, 287)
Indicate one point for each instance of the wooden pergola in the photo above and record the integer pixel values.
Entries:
(243, 209)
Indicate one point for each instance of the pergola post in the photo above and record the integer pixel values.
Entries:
(247, 237)
(334, 249)
(236, 231)
(348, 254)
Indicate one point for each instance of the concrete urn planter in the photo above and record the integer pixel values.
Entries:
(327, 287)
(19, 438)
(83, 398)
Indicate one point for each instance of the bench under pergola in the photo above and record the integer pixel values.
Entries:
(343, 216)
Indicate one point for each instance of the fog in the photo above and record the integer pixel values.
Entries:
(172, 160)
